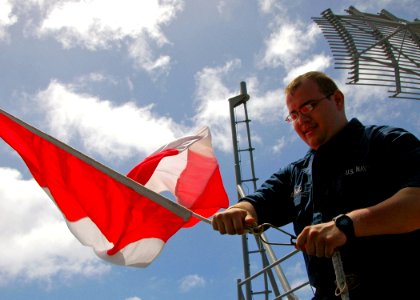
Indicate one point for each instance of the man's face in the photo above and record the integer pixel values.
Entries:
(323, 121)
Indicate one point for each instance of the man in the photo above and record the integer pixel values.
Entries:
(366, 178)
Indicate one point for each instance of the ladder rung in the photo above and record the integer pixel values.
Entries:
(246, 149)
(248, 180)
(255, 251)
(243, 121)
(262, 292)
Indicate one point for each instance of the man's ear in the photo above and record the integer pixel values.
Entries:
(338, 98)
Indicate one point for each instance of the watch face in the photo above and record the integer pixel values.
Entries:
(345, 224)
(343, 221)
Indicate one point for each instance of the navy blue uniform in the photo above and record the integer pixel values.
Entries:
(359, 167)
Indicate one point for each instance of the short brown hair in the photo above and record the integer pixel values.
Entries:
(326, 85)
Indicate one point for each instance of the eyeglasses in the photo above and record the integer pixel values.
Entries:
(305, 109)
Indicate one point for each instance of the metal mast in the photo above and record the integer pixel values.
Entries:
(268, 262)
(379, 50)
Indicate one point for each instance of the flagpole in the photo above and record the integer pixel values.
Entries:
(200, 217)
(174, 207)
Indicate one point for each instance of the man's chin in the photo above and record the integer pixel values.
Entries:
(312, 142)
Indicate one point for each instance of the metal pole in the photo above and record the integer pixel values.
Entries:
(241, 99)
(233, 102)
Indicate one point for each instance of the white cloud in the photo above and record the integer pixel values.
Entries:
(36, 243)
(213, 107)
(97, 24)
(190, 282)
(266, 6)
(221, 7)
(265, 105)
(133, 298)
(287, 43)
(280, 144)
(142, 54)
(7, 18)
(103, 127)
(296, 273)
(93, 77)
(318, 62)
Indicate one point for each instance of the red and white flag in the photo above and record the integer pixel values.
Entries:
(124, 222)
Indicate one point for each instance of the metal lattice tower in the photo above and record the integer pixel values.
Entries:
(380, 50)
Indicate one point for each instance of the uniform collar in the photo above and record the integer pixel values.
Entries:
(344, 140)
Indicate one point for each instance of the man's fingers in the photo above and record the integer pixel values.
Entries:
(231, 221)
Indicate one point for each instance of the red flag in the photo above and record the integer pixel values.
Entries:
(124, 222)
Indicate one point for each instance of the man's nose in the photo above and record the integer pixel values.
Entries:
(304, 118)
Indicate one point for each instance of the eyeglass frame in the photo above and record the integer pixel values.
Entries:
(310, 106)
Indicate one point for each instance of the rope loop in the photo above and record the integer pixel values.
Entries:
(341, 290)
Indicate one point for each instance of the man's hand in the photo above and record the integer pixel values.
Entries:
(235, 219)
(320, 240)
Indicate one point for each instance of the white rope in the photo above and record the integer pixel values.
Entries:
(342, 288)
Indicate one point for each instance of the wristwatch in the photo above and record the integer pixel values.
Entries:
(345, 224)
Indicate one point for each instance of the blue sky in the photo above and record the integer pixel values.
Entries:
(118, 79)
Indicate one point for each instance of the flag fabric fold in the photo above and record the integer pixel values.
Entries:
(101, 207)
(188, 168)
